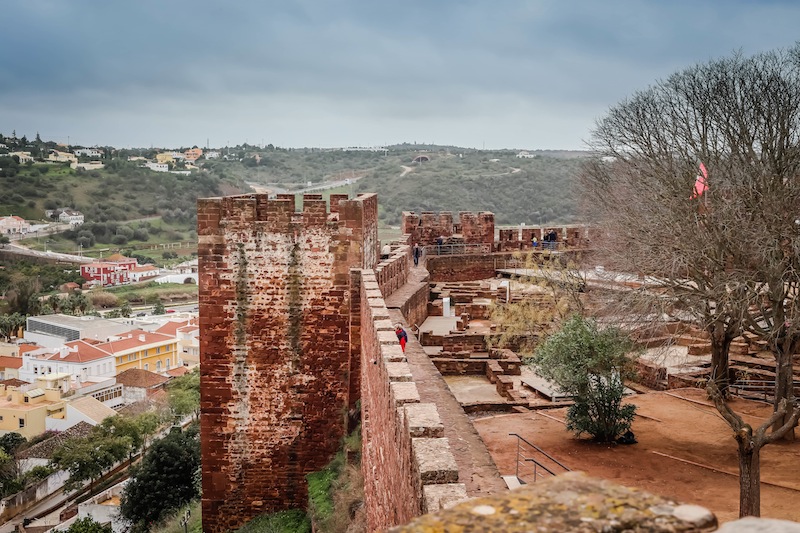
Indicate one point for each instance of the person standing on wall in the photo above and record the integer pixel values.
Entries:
(417, 253)
(402, 336)
(386, 251)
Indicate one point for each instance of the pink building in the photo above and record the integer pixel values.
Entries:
(13, 225)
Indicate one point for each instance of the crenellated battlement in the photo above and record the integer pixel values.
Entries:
(472, 228)
(278, 213)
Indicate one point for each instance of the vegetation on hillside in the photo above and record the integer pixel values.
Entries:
(536, 190)
(121, 191)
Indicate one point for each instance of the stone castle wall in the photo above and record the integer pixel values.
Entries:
(407, 463)
(425, 228)
(276, 364)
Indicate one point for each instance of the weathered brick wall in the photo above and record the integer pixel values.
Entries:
(407, 463)
(392, 273)
(576, 235)
(426, 227)
(275, 365)
(465, 267)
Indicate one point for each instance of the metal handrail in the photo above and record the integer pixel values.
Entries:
(536, 463)
(535, 447)
(457, 249)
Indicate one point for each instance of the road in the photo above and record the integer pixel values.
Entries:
(54, 256)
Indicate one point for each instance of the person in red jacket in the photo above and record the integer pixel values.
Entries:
(402, 336)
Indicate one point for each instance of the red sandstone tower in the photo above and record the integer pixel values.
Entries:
(277, 360)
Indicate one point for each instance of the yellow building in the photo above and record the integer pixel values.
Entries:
(25, 409)
(164, 157)
(145, 350)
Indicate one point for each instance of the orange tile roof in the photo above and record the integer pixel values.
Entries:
(80, 351)
(135, 339)
(25, 348)
(13, 382)
(10, 362)
(171, 327)
(178, 371)
(136, 377)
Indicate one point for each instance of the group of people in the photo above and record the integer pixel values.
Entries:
(548, 240)
(416, 251)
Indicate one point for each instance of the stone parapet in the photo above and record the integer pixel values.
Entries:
(568, 502)
(408, 465)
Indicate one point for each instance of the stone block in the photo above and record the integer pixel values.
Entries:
(433, 461)
(442, 496)
(398, 372)
(423, 420)
(404, 392)
(568, 502)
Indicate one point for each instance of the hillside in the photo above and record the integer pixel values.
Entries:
(530, 190)
(119, 192)
(536, 190)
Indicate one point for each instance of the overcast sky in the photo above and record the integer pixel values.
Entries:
(477, 73)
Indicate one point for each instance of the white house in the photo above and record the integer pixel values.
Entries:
(212, 155)
(526, 155)
(142, 272)
(88, 152)
(24, 157)
(157, 167)
(80, 359)
(73, 218)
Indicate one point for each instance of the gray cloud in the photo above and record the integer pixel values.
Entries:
(302, 73)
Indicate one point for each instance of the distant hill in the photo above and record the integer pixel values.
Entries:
(121, 191)
(532, 190)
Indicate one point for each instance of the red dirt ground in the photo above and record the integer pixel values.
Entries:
(673, 426)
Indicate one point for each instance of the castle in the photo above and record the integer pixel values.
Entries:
(297, 312)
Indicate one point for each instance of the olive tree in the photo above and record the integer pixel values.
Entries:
(590, 364)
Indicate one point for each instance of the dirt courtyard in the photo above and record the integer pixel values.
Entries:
(684, 431)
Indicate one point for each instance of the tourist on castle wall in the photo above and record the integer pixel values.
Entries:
(402, 336)
(417, 253)
(386, 251)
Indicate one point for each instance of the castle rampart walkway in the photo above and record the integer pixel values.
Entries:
(476, 469)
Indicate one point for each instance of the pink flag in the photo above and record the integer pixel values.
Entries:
(700, 186)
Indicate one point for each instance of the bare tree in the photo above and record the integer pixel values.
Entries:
(700, 188)
(723, 244)
(750, 443)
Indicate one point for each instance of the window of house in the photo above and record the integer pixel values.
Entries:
(27, 400)
(21, 422)
(158, 366)
(158, 349)
(168, 363)
(147, 366)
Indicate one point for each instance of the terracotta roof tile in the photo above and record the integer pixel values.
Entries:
(134, 339)
(13, 382)
(80, 352)
(45, 449)
(178, 371)
(143, 379)
(10, 362)
(171, 327)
